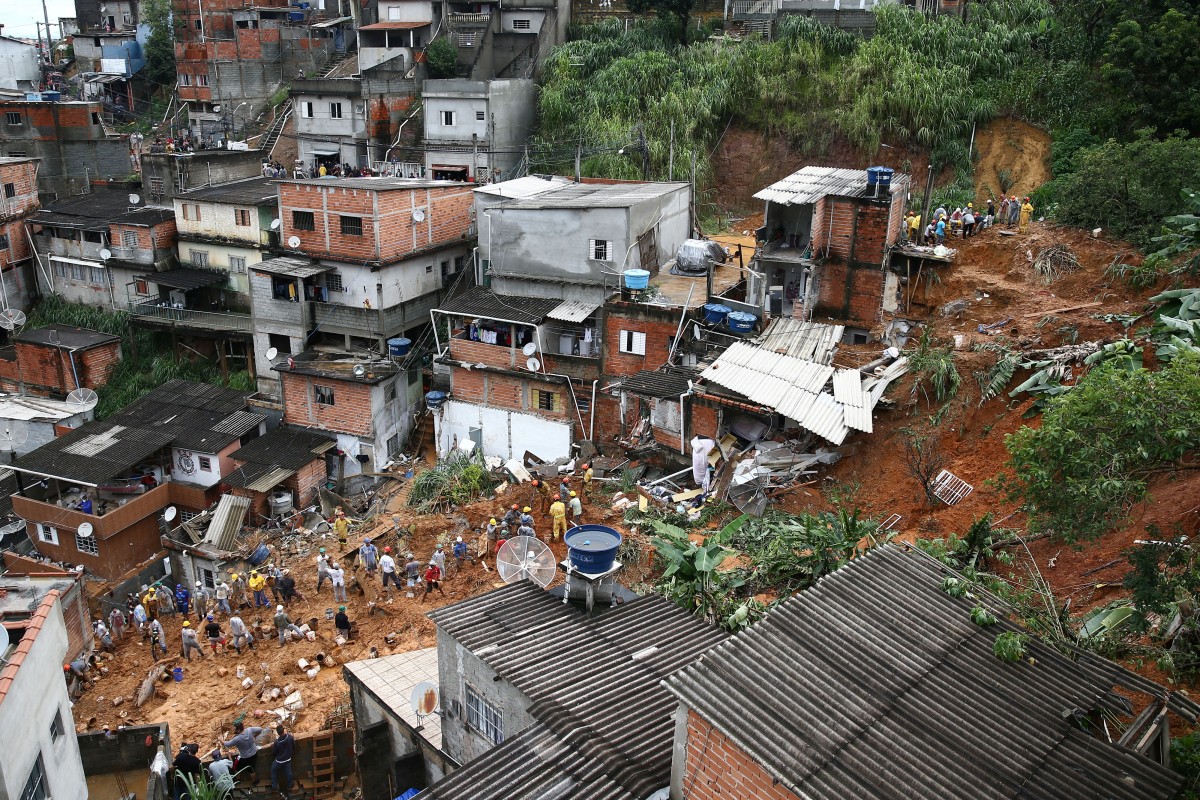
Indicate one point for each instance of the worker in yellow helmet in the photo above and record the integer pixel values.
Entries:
(558, 514)
(576, 506)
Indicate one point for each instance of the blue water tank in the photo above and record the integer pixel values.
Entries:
(880, 176)
(592, 548)
(740, 321)
(435, 399)
(399, 346)
(715, 313)
(53, 97)
(636, 279)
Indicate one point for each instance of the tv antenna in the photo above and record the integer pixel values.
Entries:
(12, 318)
(526, 557)
(12, 436)
(82, 399)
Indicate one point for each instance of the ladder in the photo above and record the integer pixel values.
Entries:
(267, 144)
(322, 764)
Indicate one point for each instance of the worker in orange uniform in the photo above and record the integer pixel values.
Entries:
(558, 513)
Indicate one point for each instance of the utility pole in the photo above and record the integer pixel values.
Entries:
(578, 159)
(928, 204)
(671, 157)
(645, 148)
(475, 156)
(49, 44)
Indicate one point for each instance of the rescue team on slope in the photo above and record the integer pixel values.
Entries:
(966, 222)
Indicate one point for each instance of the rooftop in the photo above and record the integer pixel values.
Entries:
(339, 366)
(394, 25)
(661, 384)
(391, 679)
(597, 195)
(277, 455)
(6, 160)
(486, 304)
(66, 336)
(870, 680)
(28, 633)
(605, 723)
(104, 207)
(379, 183)
(187, 278)
(811, 341)
(522, 188)
(674, 290)
(249, 192)
(36, 409)
(810, 184)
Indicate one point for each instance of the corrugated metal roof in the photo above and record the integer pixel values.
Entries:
(227, 521)
(572, 311)
(826, 418)
(288, 446)
(239, 422)
(847, 388)
(864, 683)
(528, 186)
(41, 409)
(597, 195)
(270, 479)
(810, 184)
(479, 302)
(293, 267)
(186, 278)
(811, 341)
(655, 384)
(93, 453)
(604, 721)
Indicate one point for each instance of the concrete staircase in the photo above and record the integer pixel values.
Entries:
(267, 145)
(333, 63)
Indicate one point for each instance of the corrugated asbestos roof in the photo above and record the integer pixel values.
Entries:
(604, 721)
(287, 446)
(596, 195)
(811, 341)
(479, 302)
(655, 384)
(227, 521)
(875, 683)
(572, 311)
(810, 184)
(93, 453)
(292, 267)
(187, 278)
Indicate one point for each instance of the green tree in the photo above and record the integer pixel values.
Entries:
(679, 11)
(441, 58)
(160, 46)
(1100, 444)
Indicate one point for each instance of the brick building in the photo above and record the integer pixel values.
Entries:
(18, 200)
(287, 459)
(68, 138)
(824, 246)
(54, 360)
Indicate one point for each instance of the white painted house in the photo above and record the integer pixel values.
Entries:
(19, 67)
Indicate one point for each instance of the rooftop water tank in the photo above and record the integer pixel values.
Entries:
(715, 313)
(435, 399)
(740, 321)
(399, 347)
(592, 548)
(880, 177)
(636, 279)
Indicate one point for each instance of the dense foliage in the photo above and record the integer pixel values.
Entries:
(441, 58)
(160, 46)
(1100, 443)
(456, 480)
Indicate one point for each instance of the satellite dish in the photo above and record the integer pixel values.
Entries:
(271, 353)
(526, 557)
(217, 108)
(170, 514)
(359, 371)
(293, 242)
(11, 318)
(418, 215)
(3, 641)
(425, 699)
(696, 331)
(134, 199)
(106, 254)
(85, 529)
(529, 349)
(83, 399)
(533, 365)
(12, 436)
(275, 223)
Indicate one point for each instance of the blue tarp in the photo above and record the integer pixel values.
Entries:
(409, 795)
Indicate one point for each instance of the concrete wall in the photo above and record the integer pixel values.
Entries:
(179, 173)
(18, 65)
(29, 704)
(324, 131)
(458, 668)
(125, 750)
(509, 112)
(219, 256)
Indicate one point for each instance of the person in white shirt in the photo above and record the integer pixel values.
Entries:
(337, 576)
(387, 566)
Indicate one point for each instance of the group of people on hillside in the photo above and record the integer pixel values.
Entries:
(966, 222)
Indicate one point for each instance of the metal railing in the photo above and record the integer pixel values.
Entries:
(462, 20)
(752, 8)
(213, 320)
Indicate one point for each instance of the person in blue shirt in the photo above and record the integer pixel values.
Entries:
(183, 598)
(941, 231)
(462, 552)
(85, 505)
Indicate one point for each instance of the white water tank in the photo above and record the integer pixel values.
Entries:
(281, 503)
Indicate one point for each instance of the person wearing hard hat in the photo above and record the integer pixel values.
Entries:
(588, 475)
(576, 509)
(461, 552)
(512, 516)
(191, 641)
(1014, 210)
(322, 568)
(200, 598)
(258, 585)
(433, 577)
(387, 567)
(526, 516)
(183, 599)
(492, 532)
(341, 526)
(341, 623)
(221, 593)
(564, 487)
(558, 516)
(969, 221)
(368, 556)
(284, 625)
(526, 530)
(212, 630)
(439, 558)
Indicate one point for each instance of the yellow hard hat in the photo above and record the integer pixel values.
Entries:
(492, 520)
(187, 624)
(525, 510)
(572, 494)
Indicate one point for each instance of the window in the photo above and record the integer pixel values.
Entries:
(480, 116)
(16, 153)
(47, 534)
(428, 268)
(447, 118)
(202, 80)
(205, 463)
(237, 265)
(141, 287)
(95, 117)
(280, 341)
(521, 24)
(335, 110)
(333, 281)
(546, 401)
(483, 717)
(583, 403)
(191, 211)
(352, 226)
(3, 241)
(394, 13)
(445, 267)
(35, 785)
(283, 288)
(414, 377)
(633, 342)
(10, 190)
(86, 544)
(389, 393)
(303, 221)
(241, 217)
(199, 25)
(199, 258)
(129, 239)
(125, 19)
(13, 117)
(156, 187)
(56, 726)
(323, 395)
(600, 250)
(185, 79)
(306, 109)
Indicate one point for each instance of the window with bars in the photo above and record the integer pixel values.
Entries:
(333, 282)
(199, 258)
(47, 534)
(352, 226)
(130, 239)
(13, 117)
(600, 250)
(10, 190)
(521, 25)
(185, 79)
(3, 241)
(157, 186)
(205, 463)
(303, 221)
(633, 342)
(480, 116)
(237, 265)
(483, 717)
(546, 401)
(241, 217)
(87, 544)
(56, 726)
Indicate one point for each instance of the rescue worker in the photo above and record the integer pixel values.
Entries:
(258, 585)
(190, 641)
(576, 510)
(558, 515)
(183, 599)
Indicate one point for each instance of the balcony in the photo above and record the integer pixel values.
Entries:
(169, 317)
(492, 355)
(753, 9)
(461, 20)
(136, 508)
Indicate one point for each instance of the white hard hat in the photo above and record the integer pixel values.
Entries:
(279, 608)
(458, 538)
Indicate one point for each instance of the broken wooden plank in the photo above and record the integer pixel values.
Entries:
(1065, 309)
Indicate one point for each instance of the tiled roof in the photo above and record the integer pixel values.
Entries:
(866, 684)
(32, 627)
(391, 680)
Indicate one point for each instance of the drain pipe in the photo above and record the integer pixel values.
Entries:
(682, 427)
(592, 421)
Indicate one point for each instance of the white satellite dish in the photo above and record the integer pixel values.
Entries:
(418, 215)
(134, 199)
(530, 348)
(425, 699)
(293, 242)
(533, 365)
(696, 331)
(170, 514)
(275, 223)
(105, 254)
(359, 370)
(3, 642)
(271, 353)
(82, 399)
(12, 435)
(85, 529)
(12, 318)
(526, 557)
(217, 108)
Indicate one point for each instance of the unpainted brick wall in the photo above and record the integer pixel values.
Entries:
(717, 769)
(628, 317)
(47, 370)
(350, 413)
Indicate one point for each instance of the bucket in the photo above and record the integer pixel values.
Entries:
(740, 321)
(260, 554)
(399, 347)
(177, 674)
(329, 613)
(637, 278)
(715, 313)
(312, 623)
(592, 548)
(435, 399)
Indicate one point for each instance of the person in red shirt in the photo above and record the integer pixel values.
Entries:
(433, 576)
